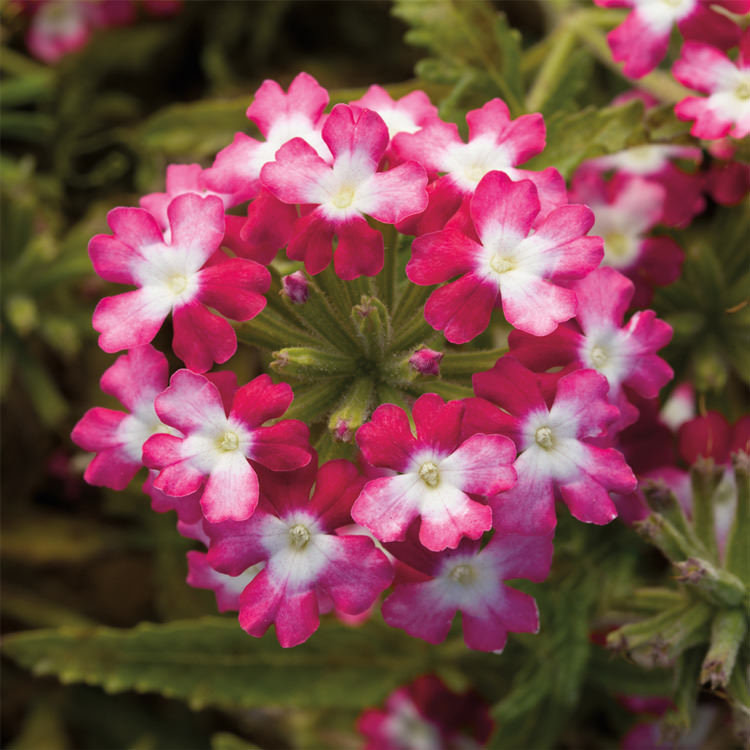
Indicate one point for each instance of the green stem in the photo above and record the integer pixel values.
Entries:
(462, 364)
(552, 70)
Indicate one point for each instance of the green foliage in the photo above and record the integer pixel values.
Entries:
(213, 662)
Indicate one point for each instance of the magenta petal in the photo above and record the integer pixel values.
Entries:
(359, 251)
(135, 227)
(398, 193)
(312, 242)
(358, 576)
(364, 135)
(528, 508)
(521, 556)
(386, 507)
(439, 256)
(179, 479)
(588, 501)
(200, 337)
(190, 403)
(462, 309)
(482, 465)
(438, 424)
(235, 288)
(524, 137)
(297, 175)
(136, 377)
(231, 491)
(448, 515)
(519, 613)
(97, 429)
(705, 25)
(197, 224)
(581, 397)
(502, 210)
(112, 468)
(637, 44)
(485, 633)
(129, 320)
(112, 259)
(306, 98)
(510, 386)
(261, 400)
(283, 446)
(414, 607)
(337, 486)
(268, 228)
(386, 440)
(536, 306)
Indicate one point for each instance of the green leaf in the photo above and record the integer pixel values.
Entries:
(574, 137)
(193, 131)
(228, 741)
(212, 661)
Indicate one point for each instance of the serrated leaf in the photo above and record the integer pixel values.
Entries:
(212, 661)
(574, 137)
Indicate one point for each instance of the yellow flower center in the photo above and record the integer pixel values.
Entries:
(743, 90)
(501, 264)
(344, 198)
(178, 283)
(429, 474)
(299, 536)
(616, 244)
(229, 441)
(544, 438)
(599, 357)
(463, 574)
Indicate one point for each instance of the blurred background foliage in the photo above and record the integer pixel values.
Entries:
(96, 130)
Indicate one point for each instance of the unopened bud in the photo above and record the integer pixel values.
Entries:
(727, 633)
(426, 361)
(296, 287)
(353, 410)
(722, 586)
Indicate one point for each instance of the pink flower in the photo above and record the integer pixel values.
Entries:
(496, 143)
(57, 29)
(135, 379)
(307, 565)
(470, 580)
(626, 209)
(683, 191)
(217, 442)
(435, 474)
(408, 114)
(425, 714)
(641, 41)
(344, 192)
(726, 110)
(625, 355)
(507, 263)
(182, 275)
(556, 452)
(280, 117)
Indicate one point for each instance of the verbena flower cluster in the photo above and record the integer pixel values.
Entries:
(443, 501)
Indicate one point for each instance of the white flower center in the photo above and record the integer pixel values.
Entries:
(544, 438)
(177, 284)
(463, 574)
(599, 357)
(501, 264)
(475, 172)
(344, 198)
(616, 244)
(743, 90)
(229, 441)
(299, 536)
(429, 474)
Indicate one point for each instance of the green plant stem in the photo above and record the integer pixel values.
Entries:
(553, 68)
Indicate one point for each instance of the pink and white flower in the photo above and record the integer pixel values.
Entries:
(436, 474)
(135, 379)
(626, 209)
(556, 450)
(216, 444)
(625, 355)
(307, 565)
(182, 275)
(641, 41)
(280, 117)
(425, 714)
(227, 589)
(726, 109)
(683, 191)
(344, 192)
(496, 143)
(507, 263)
(471, 580)
(408, 114)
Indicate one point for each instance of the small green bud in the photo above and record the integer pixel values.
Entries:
(720, 585)
(727, 633)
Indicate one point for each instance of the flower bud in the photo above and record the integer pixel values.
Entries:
(426, 361)
(295, 286)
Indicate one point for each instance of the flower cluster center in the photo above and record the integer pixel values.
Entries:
(544, 438)
(299, 536)
(429, 474)
(463, 574)
(229, 441)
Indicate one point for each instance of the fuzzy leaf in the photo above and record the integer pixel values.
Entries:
(212, 661)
